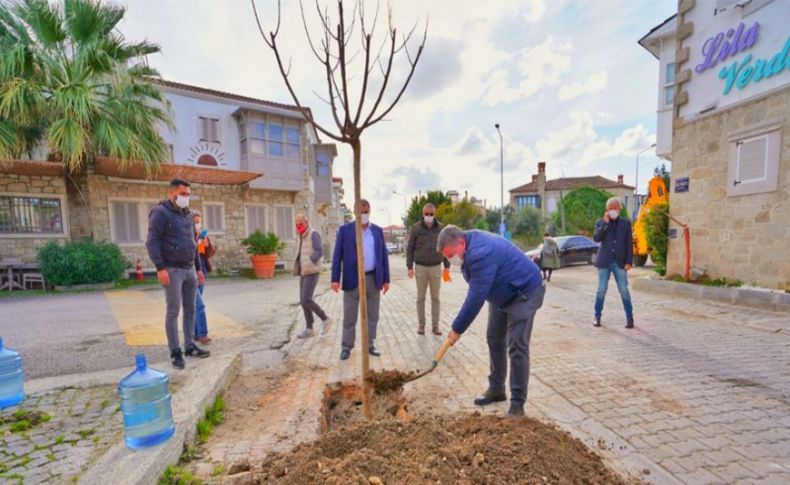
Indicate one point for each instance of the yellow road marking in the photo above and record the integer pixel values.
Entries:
(141, 317)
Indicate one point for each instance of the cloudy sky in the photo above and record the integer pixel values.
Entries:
(565, 79)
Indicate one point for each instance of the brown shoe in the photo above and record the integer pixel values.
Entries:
(204, 340)
(436, 331)
(421, 331)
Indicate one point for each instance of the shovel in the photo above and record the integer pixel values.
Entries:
(436, 358)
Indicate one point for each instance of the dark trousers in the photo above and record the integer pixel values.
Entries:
(307, 286)
(351, 311)
(508, 334)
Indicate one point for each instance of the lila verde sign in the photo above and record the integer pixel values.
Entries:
(728, 44)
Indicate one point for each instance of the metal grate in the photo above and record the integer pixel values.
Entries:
(30, 215)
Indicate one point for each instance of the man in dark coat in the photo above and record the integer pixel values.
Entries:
(615, 256)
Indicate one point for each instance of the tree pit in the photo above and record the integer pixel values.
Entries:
(342, 404)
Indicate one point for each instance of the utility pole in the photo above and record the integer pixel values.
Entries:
(636, 182)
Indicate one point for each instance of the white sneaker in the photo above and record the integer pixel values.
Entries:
(326, 325)
(306, 333)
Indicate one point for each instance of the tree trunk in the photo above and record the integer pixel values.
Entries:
(363, 302)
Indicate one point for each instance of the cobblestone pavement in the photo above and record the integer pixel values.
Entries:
(81, 424)
(699, 392)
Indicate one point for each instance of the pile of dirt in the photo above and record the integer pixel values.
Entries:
(385, 381)
(470, 449)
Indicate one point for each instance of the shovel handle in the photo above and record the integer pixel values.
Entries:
(440, 353)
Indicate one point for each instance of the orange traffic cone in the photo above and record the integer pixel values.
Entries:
(138, 275)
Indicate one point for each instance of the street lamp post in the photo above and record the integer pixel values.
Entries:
(636, 182)
(501, 182)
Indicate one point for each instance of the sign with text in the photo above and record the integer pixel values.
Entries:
(741, 73)
(682, 184)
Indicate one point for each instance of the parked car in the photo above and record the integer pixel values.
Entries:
(573, 249)
(392, 248)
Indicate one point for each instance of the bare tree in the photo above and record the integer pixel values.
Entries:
(332, 52)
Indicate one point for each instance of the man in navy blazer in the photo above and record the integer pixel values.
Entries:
(615, 256)
(377, 277)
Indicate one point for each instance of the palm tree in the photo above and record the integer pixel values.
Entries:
(69, 80)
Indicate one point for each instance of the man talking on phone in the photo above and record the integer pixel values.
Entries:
(615, 256)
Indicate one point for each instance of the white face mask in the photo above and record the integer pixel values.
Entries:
(197, 227)
(182, 201)
(365, 219)
(457, 260)
(429, 219)
(613, 214)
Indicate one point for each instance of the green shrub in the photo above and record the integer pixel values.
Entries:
(81, 262)
(583, 207)
(656, 224)
(259, 243)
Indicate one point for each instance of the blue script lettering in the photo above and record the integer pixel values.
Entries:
(741, 74)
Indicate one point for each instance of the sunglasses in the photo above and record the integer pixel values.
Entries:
(428, 214)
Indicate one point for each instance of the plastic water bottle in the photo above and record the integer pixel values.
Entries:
(145, 404)
(11, 379)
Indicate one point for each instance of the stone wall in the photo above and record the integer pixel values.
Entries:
(745, 237)
(27, 247)
(230, 252)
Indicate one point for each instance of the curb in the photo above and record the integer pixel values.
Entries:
(202, 382)
(765, 300)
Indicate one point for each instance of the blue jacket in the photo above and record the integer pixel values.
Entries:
(497, 272)
(345, 257)
(617, 243)
(171, 237)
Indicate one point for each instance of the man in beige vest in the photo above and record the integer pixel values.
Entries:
(308, 267)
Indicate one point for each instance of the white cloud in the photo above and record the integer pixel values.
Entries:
(536, 9)
(537, 67)
(593, 84)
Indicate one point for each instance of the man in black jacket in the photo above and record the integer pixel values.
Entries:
(615, 256)
(425, 262)
(171, 246)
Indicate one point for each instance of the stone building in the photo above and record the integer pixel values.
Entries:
(546, 194)
(729, 74)
(253, 164)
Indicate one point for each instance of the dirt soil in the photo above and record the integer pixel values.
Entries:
(385, 381)
(471, 449)
(342, 405)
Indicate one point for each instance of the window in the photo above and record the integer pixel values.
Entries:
(669, 84)
(754, 159)
(257, 137)
(125, 222)
(284, 219)
(292, 142)
(256, 218)
(214, 217)
(30, 215)
(323, 161)
(208, 129)
(528, 200)
(275, 139)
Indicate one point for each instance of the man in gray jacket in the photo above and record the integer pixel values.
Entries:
(172, 248)
(307, 267)
(425, 262)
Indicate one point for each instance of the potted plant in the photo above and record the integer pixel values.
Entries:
(263, 250)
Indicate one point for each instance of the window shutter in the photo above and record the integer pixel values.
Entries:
(214, 130)
(752, 159)
(120, 222)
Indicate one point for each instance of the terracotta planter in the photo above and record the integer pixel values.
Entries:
(263, 265)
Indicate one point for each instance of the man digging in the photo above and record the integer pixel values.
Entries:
(499, 273)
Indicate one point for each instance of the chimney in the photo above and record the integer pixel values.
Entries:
(620, 179)
(541, 167)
